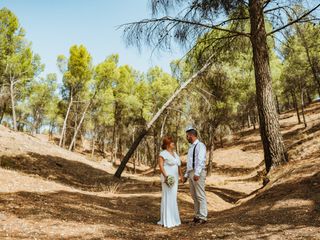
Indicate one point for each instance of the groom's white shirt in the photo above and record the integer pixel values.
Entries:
(199, 159)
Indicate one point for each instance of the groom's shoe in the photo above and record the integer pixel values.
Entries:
(196, 220)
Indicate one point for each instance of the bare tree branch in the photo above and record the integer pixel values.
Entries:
(294, 21)
(177, 20)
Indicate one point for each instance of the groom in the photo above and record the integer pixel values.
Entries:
(196, 172)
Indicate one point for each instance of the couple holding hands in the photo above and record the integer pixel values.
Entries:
(171, 172)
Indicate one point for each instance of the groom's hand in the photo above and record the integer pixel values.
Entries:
(196, 178)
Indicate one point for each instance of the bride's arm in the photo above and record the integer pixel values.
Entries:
(162, 170)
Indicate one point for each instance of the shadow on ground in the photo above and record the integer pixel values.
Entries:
(72, 173)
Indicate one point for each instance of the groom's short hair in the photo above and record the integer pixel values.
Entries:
(193, 132)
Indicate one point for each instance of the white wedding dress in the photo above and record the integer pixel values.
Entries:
(169, 214)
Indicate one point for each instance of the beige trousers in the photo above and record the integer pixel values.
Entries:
(197, 190)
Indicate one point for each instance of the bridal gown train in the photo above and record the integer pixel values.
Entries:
(169, 214)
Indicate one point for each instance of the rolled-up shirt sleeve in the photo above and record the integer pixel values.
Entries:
(200, 162)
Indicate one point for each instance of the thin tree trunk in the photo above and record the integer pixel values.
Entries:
(221, 141)
(278, 105)
(155, 150)
(302, 108)
(2, 112)
(156, 116)
(254, 120)
(288, 101)
(79, 126)
(248, 120)
(92, 145)
(120, 136)
(63, 132)
(274, 150)
(296, 107)
(114, 133)
(149, 157)
(104, 142)
(14, 117)
(115, 157)
(211, 149)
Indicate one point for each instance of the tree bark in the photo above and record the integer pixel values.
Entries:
(156, 116)
(274, 150)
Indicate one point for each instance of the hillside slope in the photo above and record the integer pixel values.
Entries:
(50, 193)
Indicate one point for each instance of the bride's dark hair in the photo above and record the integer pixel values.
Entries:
(166, 142)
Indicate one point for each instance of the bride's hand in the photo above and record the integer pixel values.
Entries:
(181, 179)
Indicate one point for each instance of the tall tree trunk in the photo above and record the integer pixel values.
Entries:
(63, 132)
(13, 107)
(274, 150)
(157, 115)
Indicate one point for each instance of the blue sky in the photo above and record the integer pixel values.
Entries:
(53, 26)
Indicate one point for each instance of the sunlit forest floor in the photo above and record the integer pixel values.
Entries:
(49, 193)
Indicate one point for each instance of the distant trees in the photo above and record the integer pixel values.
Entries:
(123, 113)
(42, 101)
(18, 63)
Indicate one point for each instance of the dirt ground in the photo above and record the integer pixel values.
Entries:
(49, 193)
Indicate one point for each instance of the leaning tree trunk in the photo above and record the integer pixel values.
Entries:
(274, 149)
(155, 118)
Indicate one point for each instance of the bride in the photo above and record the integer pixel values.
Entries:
(170, 168)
